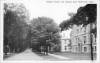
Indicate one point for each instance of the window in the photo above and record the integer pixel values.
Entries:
(65, 47)
(94, 48)
(85, 49)
(95, 39)
(76, 39)
(84, 39)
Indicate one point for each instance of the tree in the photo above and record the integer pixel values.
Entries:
(43, 29)
(15, 26)
(85, 15)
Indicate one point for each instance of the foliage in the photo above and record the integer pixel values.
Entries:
(83, 16)
(66, 24)
(15, 26)
(44, 29)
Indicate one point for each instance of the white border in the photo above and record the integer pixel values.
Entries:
(83, 61)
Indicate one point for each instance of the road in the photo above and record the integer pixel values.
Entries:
(29, 55)
(34, 56)
(26, 55)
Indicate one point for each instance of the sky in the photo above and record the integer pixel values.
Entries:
(57, 11)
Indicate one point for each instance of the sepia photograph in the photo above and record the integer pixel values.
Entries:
(49, 30)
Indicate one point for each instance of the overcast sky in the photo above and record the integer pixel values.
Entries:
(57, 11)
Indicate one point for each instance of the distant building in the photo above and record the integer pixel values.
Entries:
(65, 45)
(80, 39)
(65, 42)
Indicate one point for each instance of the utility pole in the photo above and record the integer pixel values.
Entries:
(91, 42)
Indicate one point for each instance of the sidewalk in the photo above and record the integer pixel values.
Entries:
(53, 57)
(59, 56)
(74, 56)
(48, 57)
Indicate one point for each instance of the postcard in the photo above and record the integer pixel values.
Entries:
(46, 31)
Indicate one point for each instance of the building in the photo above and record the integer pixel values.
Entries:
(65, 42)
(65, 45)
(81, 39)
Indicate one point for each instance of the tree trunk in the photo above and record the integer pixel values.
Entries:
(91, 45)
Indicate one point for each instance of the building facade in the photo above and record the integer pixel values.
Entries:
(65, 45)
(81, 39)
(65, 42)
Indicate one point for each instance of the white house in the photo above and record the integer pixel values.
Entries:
(65, 41)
